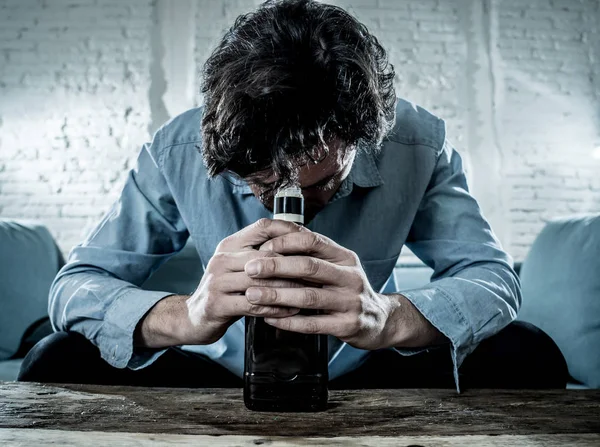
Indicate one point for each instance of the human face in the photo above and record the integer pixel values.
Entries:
(319, 182)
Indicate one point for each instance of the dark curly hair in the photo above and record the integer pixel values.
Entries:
(286, 80)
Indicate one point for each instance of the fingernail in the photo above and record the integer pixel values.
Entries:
(253, 295)
(270, 320)
(253, 268)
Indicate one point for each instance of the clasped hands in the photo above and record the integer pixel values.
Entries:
(352, 310)
(273, 269)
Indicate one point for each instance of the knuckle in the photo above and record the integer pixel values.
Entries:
(261, 282)
(209, 305)
(358, 307)
(290, 284)
(218, 259)
(286, 284)
(278, 244)
(355, 259)
(349, 329)
(357, 282)
(263, 223)
(277, 311)
(222, 246)
(355, 325)
(312, 327)
(269, 265)
(212, 288)
(311, 298)
(317, 240)
(271, 296)
(285, 324)
(268, 254)
(312, 266)
(211, 284)
(256, 309)
(311, 241)
(269, 311)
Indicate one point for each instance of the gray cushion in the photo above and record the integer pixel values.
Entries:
(561, 291)
(9, 370)
(179, 274)
(29, 261)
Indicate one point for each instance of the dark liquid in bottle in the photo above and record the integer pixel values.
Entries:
(284, 371)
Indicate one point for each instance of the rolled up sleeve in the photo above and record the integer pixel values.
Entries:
(97, 293)
(474, 291)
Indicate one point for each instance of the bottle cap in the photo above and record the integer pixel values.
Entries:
(290, 191)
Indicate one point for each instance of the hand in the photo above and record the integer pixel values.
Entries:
(219, 299)
(354, 312)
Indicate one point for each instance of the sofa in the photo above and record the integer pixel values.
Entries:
(560, 280)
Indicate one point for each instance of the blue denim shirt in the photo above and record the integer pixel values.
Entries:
(413, 192)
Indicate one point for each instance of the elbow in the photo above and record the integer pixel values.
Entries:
(56, 305)
(62, 291)
(513, 285)
(518, 299)
(508, 286)
(502, 281)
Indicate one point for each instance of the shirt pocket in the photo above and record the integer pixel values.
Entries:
(379, 270)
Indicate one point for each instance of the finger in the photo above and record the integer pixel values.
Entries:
(303, 298)
(238, 306)
(240, 281)
(317, 324)
(313, 244)
(256, 234)
(301, 267)
(235, 261)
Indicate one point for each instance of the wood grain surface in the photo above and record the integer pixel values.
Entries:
(34, 437)
(407, 416)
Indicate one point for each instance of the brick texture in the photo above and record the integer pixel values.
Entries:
(74, 109)
(424, 38)
(549, 121)
(79, 88)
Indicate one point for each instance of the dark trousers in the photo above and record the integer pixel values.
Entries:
(519, 356)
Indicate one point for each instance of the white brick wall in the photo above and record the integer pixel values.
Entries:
(83, 82)
(74, 107)
(550, 117)
(423, 37)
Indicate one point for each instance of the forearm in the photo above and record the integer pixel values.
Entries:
(408, 328)
(166, 324)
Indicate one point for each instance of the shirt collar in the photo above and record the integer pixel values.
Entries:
(364, 174)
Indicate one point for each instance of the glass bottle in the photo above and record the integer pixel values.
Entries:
(285, 371)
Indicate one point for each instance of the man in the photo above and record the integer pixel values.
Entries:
(297, 92)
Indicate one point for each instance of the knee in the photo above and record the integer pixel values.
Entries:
(49, 359)
(540, 362)
(533, 341)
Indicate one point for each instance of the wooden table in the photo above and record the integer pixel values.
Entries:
(35, 414)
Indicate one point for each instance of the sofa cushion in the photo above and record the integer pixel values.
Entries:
(9, 369)
(561, 291)
(29, 261)
(180, 274)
